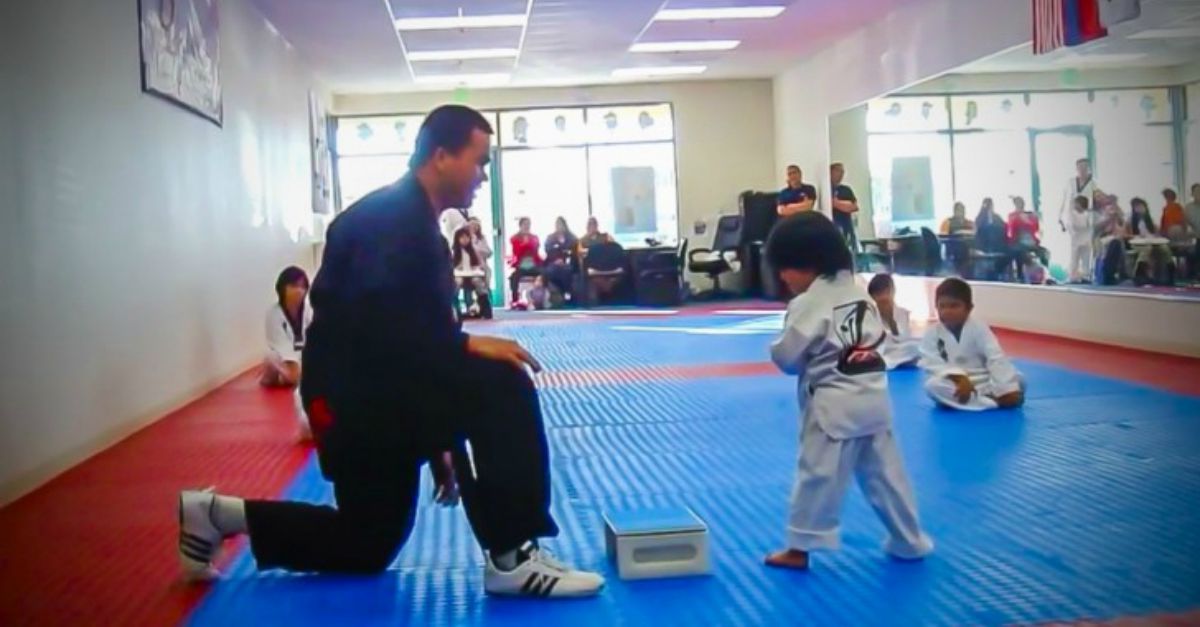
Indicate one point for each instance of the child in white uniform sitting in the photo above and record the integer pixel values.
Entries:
(900, 349)
(962, 359)
(286, 324)
(831, 341)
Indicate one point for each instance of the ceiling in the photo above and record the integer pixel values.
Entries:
(1167, 34)
(355, 48)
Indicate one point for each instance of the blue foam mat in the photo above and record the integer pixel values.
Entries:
(1082, 504)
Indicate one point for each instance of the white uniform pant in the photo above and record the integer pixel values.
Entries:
(901, 353)
(1082, 259)
(942, 390)
(823, 477)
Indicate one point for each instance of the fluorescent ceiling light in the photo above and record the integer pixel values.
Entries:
(463, 55)
(718, 13)
(667, 70)
(467, 79)
(456, 22)
(685, 46)
(1168, 33)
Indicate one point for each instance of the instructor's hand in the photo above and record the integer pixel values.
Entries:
(500, 349)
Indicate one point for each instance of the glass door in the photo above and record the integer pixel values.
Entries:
(1054, 153)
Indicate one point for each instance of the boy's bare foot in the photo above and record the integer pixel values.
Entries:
(788, 558)
(1010, 400)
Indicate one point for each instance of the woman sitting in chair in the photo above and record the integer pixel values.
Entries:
(991, 239)
(1155, 263)
(559, 270)
(526, 259)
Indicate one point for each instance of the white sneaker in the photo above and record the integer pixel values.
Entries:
(540, 575)
(199, 538)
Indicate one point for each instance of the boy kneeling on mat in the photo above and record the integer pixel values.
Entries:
(831, 340)
(965, 367)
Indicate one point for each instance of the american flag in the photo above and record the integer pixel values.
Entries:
(1049, 27)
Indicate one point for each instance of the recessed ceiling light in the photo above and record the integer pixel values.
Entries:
(462, 55)
(464, 79)
(719, 13)
(1168, 33)
(685, 46)
(666, 70)
(455, 22)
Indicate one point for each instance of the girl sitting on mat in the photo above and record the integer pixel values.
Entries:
(287, 321)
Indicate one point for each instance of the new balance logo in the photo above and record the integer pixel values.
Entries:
(539, 584)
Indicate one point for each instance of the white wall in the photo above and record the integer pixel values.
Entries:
(910, 44)
(724, 134)
(140, 242)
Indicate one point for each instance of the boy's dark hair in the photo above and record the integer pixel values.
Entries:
(448, 127)
(880, 283)
(1082, 201)
(1169, 194)
(808, 241)
(957, 289)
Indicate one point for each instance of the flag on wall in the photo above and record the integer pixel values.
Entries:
(1113, 12)
(1058, 23)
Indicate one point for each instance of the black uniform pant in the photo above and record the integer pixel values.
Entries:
(504, 480)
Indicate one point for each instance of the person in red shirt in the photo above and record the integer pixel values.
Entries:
(526, 259)
(1173, 214)
(1024, 232)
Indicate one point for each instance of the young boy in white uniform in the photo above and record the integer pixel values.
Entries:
(1081, 225)
(962, 359)
(831, 341)
(900, 349)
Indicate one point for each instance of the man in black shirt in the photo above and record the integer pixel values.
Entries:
(845, 205)
(798, 196)
(392, 381)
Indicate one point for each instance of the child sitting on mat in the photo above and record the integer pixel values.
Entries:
(900, 349)
(962, 359)
(830, 340)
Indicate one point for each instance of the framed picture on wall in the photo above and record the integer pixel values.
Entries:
(181, 54)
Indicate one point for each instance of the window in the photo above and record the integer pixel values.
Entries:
(633, 191)
(910, 180)
(616, 163)
(542, 128)
(609, 125)
(908, 114)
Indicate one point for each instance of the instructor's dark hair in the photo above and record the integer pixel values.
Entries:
(808, 241)
(448, 127)
(957, 289)
(880, 283)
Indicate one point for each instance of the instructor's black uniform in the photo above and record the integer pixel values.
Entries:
(387, 356)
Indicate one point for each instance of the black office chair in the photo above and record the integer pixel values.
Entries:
(932, 249)
(721, 258)
(659, 280)
(603, 263)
